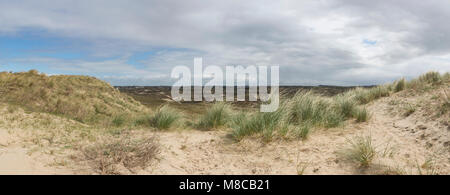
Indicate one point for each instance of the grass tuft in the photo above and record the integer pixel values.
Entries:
(218, 115)
(106, 157)
(400, 85)
(164, 118)
(410, 109)
(264, 123)
(361, 114)
(345, 105)
(361, 150)
(433, 78)
(302, 131)
(314, 110)
(119, 120)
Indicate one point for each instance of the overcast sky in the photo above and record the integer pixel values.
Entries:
(335, 42)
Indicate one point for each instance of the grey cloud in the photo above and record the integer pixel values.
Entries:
(314, 42)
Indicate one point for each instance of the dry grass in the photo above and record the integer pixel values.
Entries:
(427, 168)
(428, 81)
(409, 109)
(106, 158)
(392, 171)
(365, 96)
(445, 105)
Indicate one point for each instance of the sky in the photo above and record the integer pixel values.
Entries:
(316, 42)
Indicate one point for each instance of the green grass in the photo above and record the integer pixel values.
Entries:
(312, 109)
(361, 150)
(318, 111)
(119, 120)
(345, 105)
(365, 96)
(300, 114)
(143, 120)
(400, 85)
(431, 77)
(12, 108)
(428, 81)
(165, 118)
(361, 114)
(91, 101)
(218, 115)
(360, 95)
(264, 123)
(445, 107)
(427, 168)
(302, 131)
(333, 119)
(409, 109)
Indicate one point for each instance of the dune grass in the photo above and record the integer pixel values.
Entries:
(91, 101)
(298, 116)
(345, 105)
(302, 131)
(307, 107)
(400, 85)
(361, 114)
(428, 81)
(445, 105)
(264, 123)
(306, 111)
(119, 120)
(216, 116)
(365, 96)
(165, 118)
(361, 150)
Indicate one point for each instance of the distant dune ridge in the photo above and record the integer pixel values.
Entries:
(82, 98)
(82, 125)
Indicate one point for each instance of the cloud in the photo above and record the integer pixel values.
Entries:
(315, 42)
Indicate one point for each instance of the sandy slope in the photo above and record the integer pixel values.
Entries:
(16, 159)
(404, 145)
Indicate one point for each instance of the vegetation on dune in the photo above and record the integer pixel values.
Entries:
(299, 115)
(427, 81)
(445, 107)
(91, 101)
(302, 131)
(400, 85)
(89, 111)
(361, 114)
(365, 96)
(165, 118)
(264, 123)
(105, 158)
(82, 98)
(361, 150)
(305, 111)
(216, 116)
